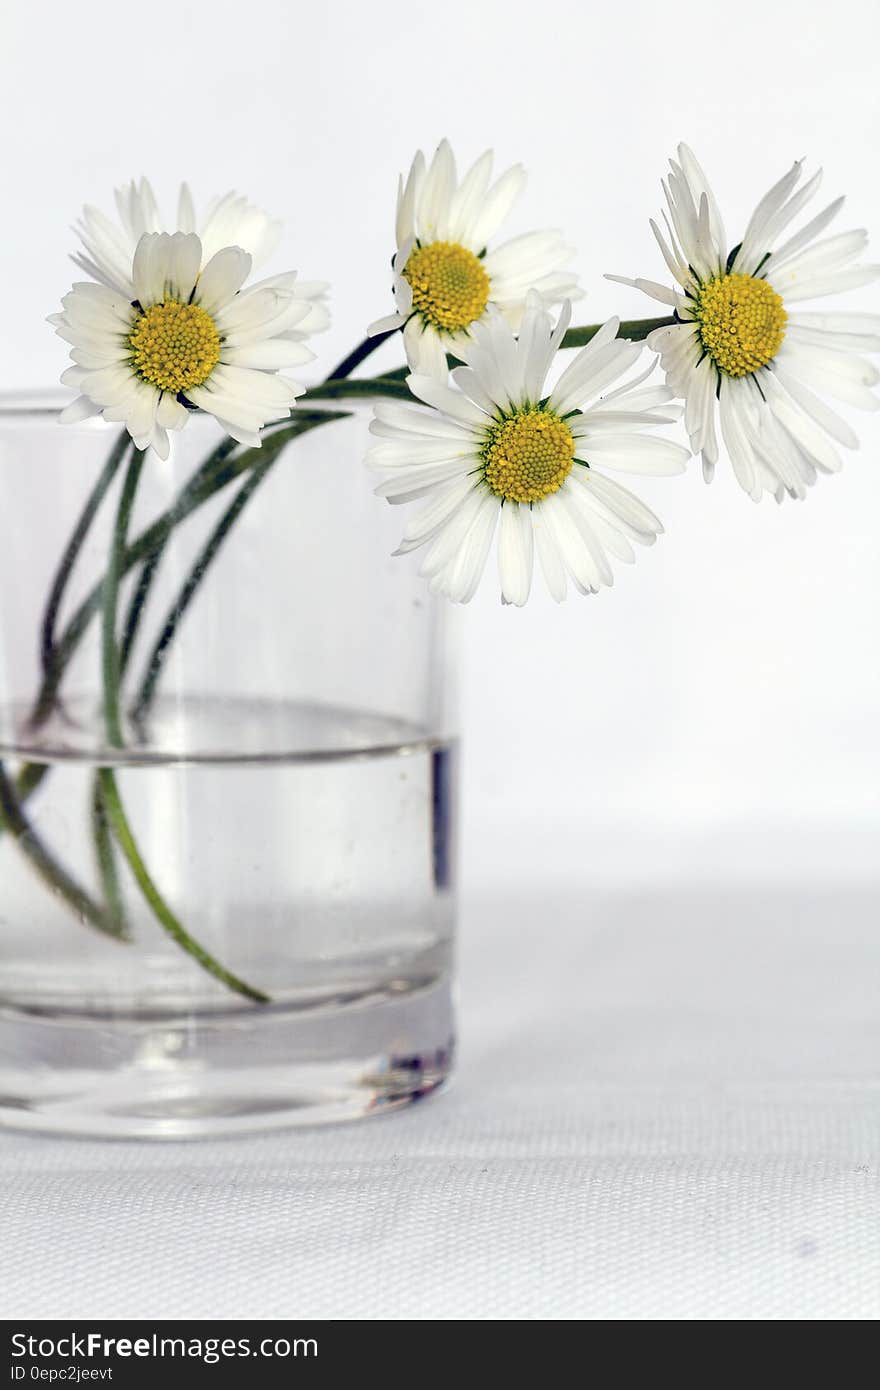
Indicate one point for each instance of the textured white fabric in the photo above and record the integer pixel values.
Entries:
(667, 1107)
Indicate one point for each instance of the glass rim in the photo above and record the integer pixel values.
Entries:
(39, 400)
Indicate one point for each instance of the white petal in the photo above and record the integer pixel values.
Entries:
(700, 186)
(80, 409)
(583, 557)
(435, 194)
(419, 421)
(150, 269)
(185, 257)
(594, 374)
(388, 324)
(464, 573)
(803, 237)
(222, 278)
(821, 413)
(160, 442)
(170, 414)
(272, 355)
(621, 502)
(467, 381)
(452, 536)
(426, 524)
(649, 287)
(425, 349)
(552, 565)
(442, 397)
(242, 433)
(403, 484)
(186, 213)
(636, 453)
(515, 553)
(731, 405)
(468, 199)
(809, 438)
(818, 285)
(406, 204)
(403, 453)
(496, 205)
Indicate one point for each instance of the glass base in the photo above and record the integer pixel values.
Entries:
(224, 1072)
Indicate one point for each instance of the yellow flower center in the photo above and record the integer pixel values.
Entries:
(450, 287)
(528, 455)
(742, 322)
(174, 346)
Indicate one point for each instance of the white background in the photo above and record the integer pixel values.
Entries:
(711, 721)
(727, 689)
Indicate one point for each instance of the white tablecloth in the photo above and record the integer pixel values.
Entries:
(667, 1107)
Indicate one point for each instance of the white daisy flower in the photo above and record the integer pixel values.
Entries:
(185, 334)
(445, 278)
(738, 355)
(493, 450)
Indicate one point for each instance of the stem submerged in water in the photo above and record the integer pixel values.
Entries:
(44, 863)
(174, 928)
(105, 856)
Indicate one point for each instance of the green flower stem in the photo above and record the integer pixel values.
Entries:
(156, 661)
(43, 862)
(26, 782)
(634, 329)
(101, 834)
(175, 929)
(29, 778)
(214, 475)
(333, 389)
(393, 382)
(12, 816)
(110, 590)
(360, 354)
(211, 478)
(153, 559)
(155, 664)
(105, 856)
(107, 802)
(111, 671)
(138, 603)
(75, 545)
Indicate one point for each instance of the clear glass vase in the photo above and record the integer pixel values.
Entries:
(227, 789)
